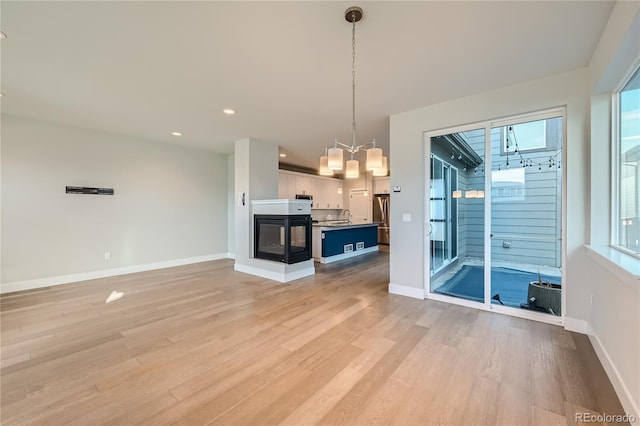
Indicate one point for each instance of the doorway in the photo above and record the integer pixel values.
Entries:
(494, 222)
(359, 205)
(444, 215)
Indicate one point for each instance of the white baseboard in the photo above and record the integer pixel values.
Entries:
(104, 273)
(576, 325)
(342, 256)
(272, 275)
(231, 256)
(403, 290)
(628, 404)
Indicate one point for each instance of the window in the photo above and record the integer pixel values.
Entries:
(508, 185)
(540, 135)
(626, 167)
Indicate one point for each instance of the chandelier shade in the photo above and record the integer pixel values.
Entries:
(384, 170)
(353, 169)
(374, 158)
(324, 166)
(335, 158)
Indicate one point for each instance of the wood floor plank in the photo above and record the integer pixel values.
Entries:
(216, 396)
(271, 405)
(513, 406)
(381, 408)
(605, 399)
(351, 405)
(204, 344)
(540, 416)
(315, 407)
(310, 334)
(480, 406)
(430, 373)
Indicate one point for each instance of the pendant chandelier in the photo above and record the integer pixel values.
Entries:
(333, 160)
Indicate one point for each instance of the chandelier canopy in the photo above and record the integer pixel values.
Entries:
(333, 160)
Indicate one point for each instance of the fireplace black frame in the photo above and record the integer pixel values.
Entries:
(288, 256)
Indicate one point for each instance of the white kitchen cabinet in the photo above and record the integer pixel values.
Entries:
(324, 190)
(303, 185)
(381, 185)
(319, 192)
(336, 200)
(325, 195)
(286, 186)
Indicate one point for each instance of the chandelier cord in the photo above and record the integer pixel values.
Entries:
(334, 157)
(353, 81)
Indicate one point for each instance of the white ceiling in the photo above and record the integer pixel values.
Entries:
(145, 69)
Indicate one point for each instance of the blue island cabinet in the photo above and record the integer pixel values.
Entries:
(348, 240)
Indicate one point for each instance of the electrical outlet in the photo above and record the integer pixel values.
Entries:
(360, 245)
(506, 244)
(107, 255)
(348, 248)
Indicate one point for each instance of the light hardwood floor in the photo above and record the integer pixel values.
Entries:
(202, 344)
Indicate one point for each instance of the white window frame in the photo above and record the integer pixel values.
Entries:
(615, 162)
(503, 148)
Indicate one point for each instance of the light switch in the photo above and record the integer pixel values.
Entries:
(406, 217)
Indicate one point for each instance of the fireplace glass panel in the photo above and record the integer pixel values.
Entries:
(298, 238)
(271, 238)
(283, 238)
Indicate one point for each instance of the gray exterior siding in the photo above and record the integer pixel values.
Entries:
(530, 225)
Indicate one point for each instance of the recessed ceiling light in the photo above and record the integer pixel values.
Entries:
(176, 133)
(228, 111)
(283, 155)
(2, 35)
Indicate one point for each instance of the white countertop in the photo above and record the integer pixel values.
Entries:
(338, 226)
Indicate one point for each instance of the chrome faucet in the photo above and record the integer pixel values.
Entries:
(347, 213)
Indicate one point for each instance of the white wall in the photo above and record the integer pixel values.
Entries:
(408, 163)
(614, 318)
(256, 175)
(169, 202)
(614, 328)
(231, 212)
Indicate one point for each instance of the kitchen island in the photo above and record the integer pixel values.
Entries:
(332, 241)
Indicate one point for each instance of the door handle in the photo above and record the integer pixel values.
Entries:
(430, 230)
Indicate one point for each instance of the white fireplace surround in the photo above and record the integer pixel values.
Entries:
(277, 271)
(281, 206)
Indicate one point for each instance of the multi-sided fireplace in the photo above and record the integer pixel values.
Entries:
(282, 230)
(282, 238)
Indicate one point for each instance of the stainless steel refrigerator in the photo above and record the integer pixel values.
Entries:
(381, 216)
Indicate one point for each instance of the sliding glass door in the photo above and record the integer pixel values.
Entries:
(443, 239)
(456, 215)
(494, 225)
(526, 214)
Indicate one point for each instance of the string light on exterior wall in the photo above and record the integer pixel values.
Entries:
(333, 160)
(526, 162)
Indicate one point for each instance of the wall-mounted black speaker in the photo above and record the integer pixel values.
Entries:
(88, 190)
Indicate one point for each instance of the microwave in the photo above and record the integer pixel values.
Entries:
(304, 197)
